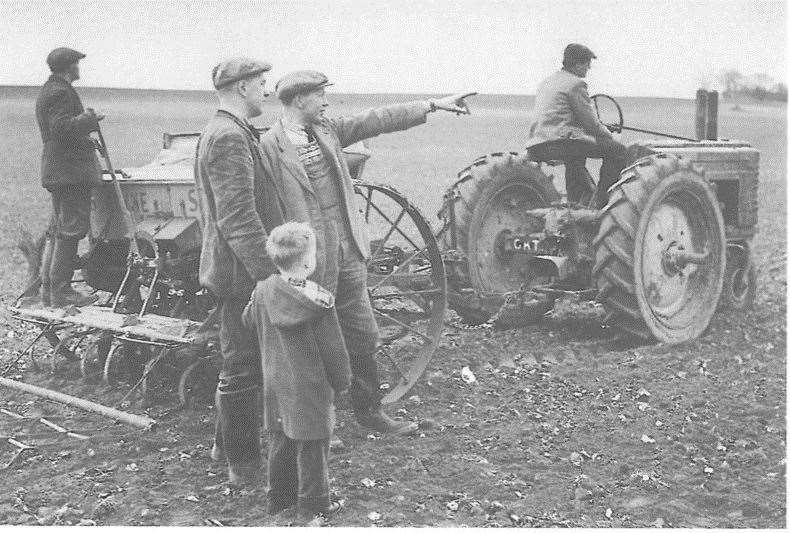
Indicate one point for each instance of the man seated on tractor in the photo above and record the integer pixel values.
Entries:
(566, 128)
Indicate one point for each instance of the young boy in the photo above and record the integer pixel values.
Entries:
(305, 364)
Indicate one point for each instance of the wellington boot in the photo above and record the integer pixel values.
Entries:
(61, 271)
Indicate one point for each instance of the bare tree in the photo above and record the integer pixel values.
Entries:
(731, 81)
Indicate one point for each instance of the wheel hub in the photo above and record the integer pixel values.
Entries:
(669, 260)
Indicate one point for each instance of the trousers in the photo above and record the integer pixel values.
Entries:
(574, 154)
(237, 397)
(298, 474)
(357, 323)
(71, 212)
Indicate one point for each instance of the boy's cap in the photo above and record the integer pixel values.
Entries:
(299, 82)
(237, 68)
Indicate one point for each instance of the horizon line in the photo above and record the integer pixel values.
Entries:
(24, 86)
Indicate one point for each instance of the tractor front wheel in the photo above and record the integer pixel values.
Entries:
(660, 251)
(740, 280)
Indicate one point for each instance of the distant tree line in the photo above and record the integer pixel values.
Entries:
(757, 86)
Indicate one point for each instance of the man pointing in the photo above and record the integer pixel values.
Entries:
(302, 155)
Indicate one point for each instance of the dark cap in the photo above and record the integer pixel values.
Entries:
(237, 68)
(60, 59)
(576, 53)
(299, 82)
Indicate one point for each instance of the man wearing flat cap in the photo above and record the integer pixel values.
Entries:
(69, 170)
(304, 159)
(236, 208)
(566, 127)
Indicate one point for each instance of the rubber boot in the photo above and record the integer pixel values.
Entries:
(46, 264)
(237, 430)
(62, 294)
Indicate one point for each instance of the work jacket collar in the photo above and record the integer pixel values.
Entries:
(244, 123)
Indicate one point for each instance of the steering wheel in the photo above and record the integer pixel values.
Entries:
(615, 126)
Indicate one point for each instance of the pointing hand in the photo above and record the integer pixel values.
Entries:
(454, 103)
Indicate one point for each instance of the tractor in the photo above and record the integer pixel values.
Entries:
(672, 244)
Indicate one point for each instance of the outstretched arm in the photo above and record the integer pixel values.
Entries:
(394, 117)
(455, 103)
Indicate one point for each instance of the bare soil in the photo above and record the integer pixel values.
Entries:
(566, 424)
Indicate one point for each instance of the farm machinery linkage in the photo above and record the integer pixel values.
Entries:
(672, 244)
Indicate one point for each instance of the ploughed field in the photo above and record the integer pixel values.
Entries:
(564, 425)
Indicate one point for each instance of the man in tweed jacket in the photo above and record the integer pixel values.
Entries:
(235, 209)
(302, 155)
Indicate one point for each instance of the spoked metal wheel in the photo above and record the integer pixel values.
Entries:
(406, 285)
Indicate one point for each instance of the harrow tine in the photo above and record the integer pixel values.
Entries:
(149, 368)
(10, 365)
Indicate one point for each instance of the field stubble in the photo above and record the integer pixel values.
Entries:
(562, 426)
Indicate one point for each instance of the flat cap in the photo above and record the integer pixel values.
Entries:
(60, 58)
(237, 68)
(299, 82)
(577, 53)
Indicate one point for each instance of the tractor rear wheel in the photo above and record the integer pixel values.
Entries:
(660, 251)
(489, 197)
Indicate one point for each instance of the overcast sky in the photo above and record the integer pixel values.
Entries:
(644, 47)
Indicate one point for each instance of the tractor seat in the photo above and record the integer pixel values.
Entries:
(547, 162)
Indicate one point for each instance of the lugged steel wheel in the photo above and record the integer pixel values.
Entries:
(125, 362)
(660, 251)
(197, 383)
(406, 285)
(492, 196)
(92, 359)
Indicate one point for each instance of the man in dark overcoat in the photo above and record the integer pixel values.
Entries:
(303, 156)
(69, 170)
(236, 208)
(566, 127)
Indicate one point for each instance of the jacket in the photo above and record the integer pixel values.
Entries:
(238, 205)
(563, 110)
(68, 156)
(303, 358)
(296, 194)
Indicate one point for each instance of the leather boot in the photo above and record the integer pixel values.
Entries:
(378, 420)
(62, 294)
(46, 264)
